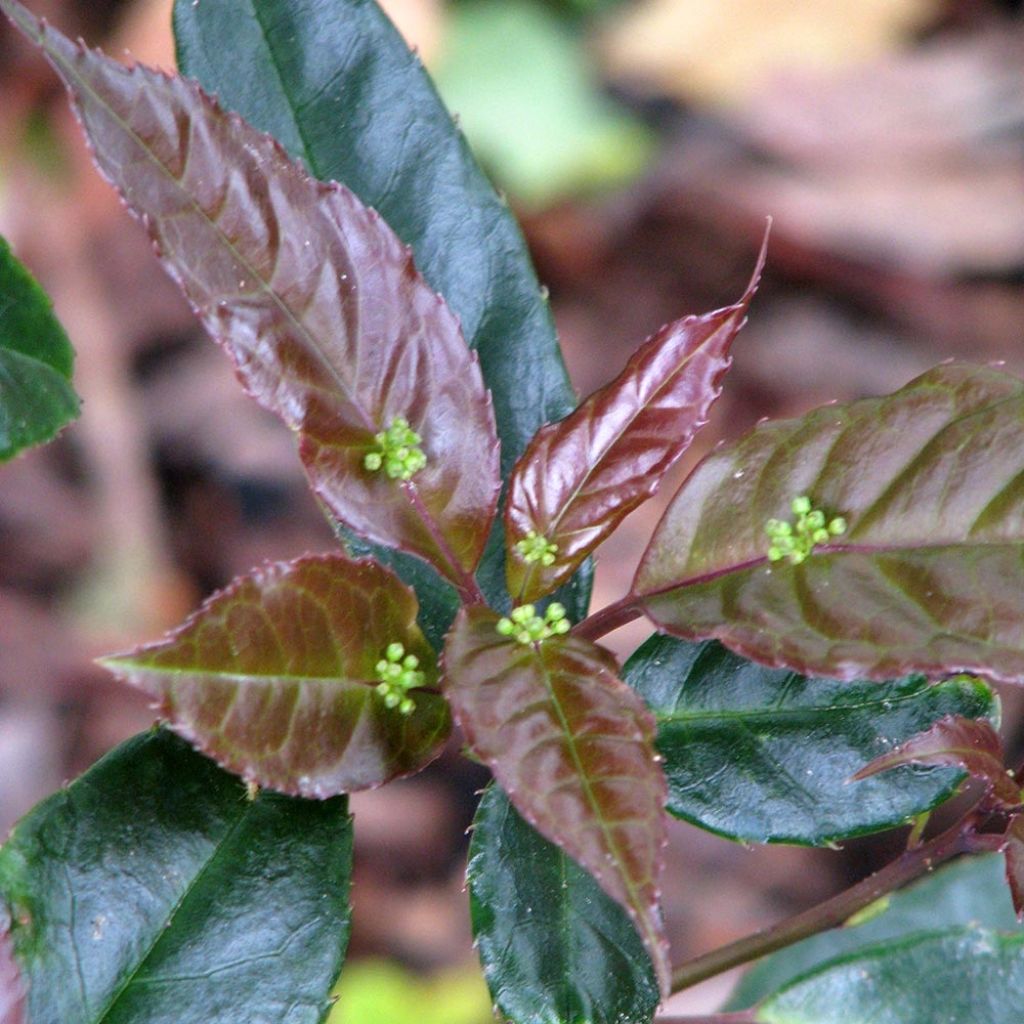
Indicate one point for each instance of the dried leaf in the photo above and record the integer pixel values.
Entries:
(275, 678)
(312, 295)
(572, 746)
(968, 743)
(581, 477)
(928, 574)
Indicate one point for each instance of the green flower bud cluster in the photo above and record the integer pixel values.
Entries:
(399, 454)
(528, 627)
(398, 674)
(535, 548)
(795, 541)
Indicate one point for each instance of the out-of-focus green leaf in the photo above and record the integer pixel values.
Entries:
(970, 974)
(572, 746)
(152, 891)
(928, 574)
(766, 755)
(554, 947)
(275, 677)
(968, 891)
(36, 397)
(521, 86)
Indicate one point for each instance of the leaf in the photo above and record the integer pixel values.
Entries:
(968, 744)
(929, 574)
(36, 398)
(12, 990)
(581, 477)
(530, 100)
(571, 745)
(314, 298)
(764, 755)
(1013, 855)
(970, 974)
(340, 89)
(971, 890)
(275, 678)
(555, 949)
(151, 891)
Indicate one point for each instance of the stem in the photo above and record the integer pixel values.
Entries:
(918, 860)
(607, 619)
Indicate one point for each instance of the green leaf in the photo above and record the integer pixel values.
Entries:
(973, 746)
(151, 891)
(970, 974)
(554, 947)
(531, 103)
(766, 755)
(572, 746)
(579, 478)
(313, 297)
(928, 575)
(971, 890)
(337, 85)
(276, 678)
(36, 398)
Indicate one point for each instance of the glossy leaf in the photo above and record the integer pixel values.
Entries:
(36, 398)
(555, 948)
(151, 891)
(970, 974)
(312, 295)
(579, 478)
(929, 573)
(338, 86)
(969, 891)
(275, 678)
(12, 989)
(1013, 854)
(963, 742)
(572, 746)
(765, 755)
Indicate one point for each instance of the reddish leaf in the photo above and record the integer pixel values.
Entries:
(1013, 852)
(968, 743)
(12, 988)
(581, 476)
(929, 573)
(312, 295)
(275, 678)
(572, 746)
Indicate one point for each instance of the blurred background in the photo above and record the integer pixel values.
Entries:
(642, 144)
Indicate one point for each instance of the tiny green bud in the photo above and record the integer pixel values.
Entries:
(775, 554)
(395, 652)
(821, 536)
(796, 541)
(398, 451)
(505, 627)
(801, 505)
(410, 661)
(837, 527)
(555, 611)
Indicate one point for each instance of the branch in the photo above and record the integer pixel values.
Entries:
(916, 861)
(618, 614)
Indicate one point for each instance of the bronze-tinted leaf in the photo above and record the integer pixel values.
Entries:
(275, 678)
(581, 476)
(313, 296)
(12, 988)
(572, 746)
(968, 743)
(1013, 854)
(928, 574)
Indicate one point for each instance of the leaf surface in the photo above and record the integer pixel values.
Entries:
(337, 85)
(964, 742)
(579, 478)
(968, 891)
(311, 294)
(12, 989)
(572, 746)
(1013, 855)
(555, 948)
(927, 577)
(966, 975)
(765, 755)
(36, 397)
(275, 678)
(151, 891)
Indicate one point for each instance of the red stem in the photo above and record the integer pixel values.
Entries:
(618, 614)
